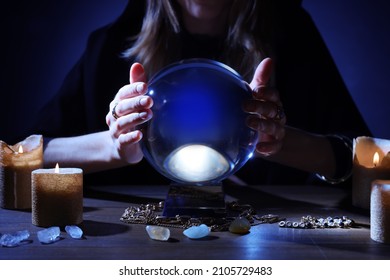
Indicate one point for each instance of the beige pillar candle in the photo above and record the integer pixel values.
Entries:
(16, 163)
(371, 161)
(57, 197)
(380, 211)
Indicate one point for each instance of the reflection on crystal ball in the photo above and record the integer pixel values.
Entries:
(198, 133)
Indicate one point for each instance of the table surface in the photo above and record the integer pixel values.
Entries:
(106, 237)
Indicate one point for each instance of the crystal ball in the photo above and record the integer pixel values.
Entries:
(198, 133)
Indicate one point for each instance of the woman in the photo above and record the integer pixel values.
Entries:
(242, 34)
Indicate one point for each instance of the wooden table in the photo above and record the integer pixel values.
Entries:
(106, 237)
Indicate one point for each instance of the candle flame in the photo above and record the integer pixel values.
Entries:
(20, 151)
(57, 169)
(375, 159)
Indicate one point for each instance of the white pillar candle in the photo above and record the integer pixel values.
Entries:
(380, 211)
(16, 164)
(371, 161)
(57, 197)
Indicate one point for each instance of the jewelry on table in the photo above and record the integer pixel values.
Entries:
(149, 214)
(309, 222)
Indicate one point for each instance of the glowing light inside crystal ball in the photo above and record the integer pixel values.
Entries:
(198, 133)
(196, 163)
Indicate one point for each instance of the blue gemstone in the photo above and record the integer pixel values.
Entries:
(14, 239)
(49, 235)
(74, 231)
(196, 232)
(198, 133)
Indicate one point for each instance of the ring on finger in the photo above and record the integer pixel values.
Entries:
(279, 113)
(113, 112)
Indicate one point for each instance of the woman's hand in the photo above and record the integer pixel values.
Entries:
(129, 108)
(267, 112)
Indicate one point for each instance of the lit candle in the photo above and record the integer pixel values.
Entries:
(57, 197)
(16, 164)
(371, 161)
(380, 211)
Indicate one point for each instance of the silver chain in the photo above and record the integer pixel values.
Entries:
(150, 214)
(309, 222)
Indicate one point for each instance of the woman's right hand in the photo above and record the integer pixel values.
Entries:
(129, 109)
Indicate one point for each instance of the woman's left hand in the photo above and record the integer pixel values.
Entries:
(267, 115)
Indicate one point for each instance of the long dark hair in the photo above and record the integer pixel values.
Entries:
(246, 42)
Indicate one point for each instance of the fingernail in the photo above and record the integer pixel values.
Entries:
(143, 115)
(252, 122)
(259, 91)
(140, 87)
(144, 101)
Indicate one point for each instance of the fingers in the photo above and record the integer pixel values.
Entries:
(136, 87)
(125, 107)
(267, 127)
(131, 137)
(127, 147)
(267, 117)
(130, 97)
(268, 148)
(137, 73)
(266, 100)
(264, 109)
(131, 90)
(262, 74)
(131, 105)
(127, 123)
(271, 135)
(266, 93)
(130, 108)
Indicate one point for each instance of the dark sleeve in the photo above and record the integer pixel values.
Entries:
(64, 115)
(80, 105)
(313, 94)
(82, 102)
(311, 87)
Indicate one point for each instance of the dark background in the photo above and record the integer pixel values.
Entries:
(41, 41)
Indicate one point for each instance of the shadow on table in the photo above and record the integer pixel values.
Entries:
(294, 197)
(120, 194)
(95, 228)
(262, 199)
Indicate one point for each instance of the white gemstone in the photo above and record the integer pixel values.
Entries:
(158, 233)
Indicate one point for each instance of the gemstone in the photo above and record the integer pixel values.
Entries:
(14, 239)
(240, 225)
(74, 231)
(158, 233)
(49, 235)
(196, 232)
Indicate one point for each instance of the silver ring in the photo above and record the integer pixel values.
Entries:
(279, 113)
(113, 112)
